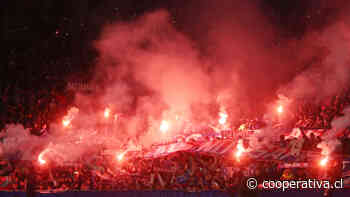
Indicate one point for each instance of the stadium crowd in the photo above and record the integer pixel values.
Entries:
(177, 171)
(180, 171)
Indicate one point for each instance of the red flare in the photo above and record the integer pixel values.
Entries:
(120, 156)
(324, 161)
(41, 160)
(240, 150)
(107, 112)
(164, 126)
(65, 123)
(280, 109)
(223, 118)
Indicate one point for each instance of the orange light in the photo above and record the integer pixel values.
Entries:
(70, 116)
(223, 118)
(238, 154)
(107, 112)
(324, 162)
(164, 126)
(120, 156)
(280, 109)
(65, 123)
(41, 160)
(242, 127)
(240, 150)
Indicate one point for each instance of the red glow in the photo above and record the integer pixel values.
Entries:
(280, 109)
(242, 127)
(164, 126)
(120, 156)
(324, 162)
(116, 117)
(240, 150)
(107, 112)
(223, 118)
(65, 123)
(70, 116)
(41, 160)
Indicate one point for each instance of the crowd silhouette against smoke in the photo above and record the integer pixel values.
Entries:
(222, 73)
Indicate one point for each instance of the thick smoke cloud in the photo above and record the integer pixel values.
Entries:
(237, 41)
(225, 56)
(160, 58)
(328, 73)
(150, 52)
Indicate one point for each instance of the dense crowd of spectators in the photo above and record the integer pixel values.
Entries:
(180, 171)
(34, 111)
(309, 115)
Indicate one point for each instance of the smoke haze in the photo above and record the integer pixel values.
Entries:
(226, 55)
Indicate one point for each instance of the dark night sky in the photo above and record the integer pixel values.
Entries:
(290, 15)
(37, 20)
(40, 23)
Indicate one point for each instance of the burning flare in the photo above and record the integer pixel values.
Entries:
(324, 161)
(41, 160)
(223, 118)
(326, 151)
(107, 112)
(65, 123)
(240, 149)
(164, 126)
(242, 127)
(120, 156)
(70, 116)
(280, 109)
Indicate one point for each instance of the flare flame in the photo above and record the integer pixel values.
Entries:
(223, 118)
(280, 109)
(324, 161)
(164, 126)
(41, 160)
(107, 112)
(240, 149)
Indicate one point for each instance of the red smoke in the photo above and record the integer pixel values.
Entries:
(226, 55)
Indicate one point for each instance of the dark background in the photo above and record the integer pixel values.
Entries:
(53, 37)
